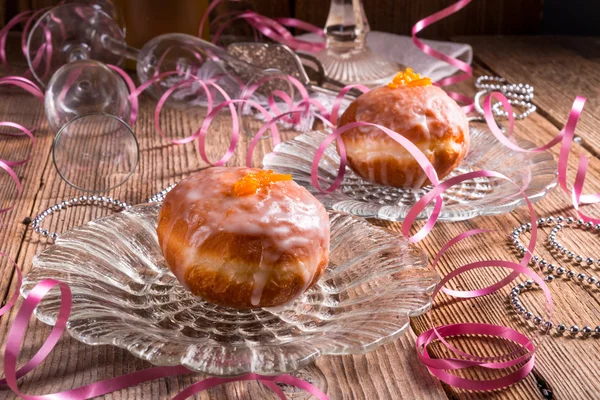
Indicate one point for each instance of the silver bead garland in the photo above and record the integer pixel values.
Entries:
(102, 201)
(576, 259)
(518, 94)
(160, 196)
(546, 326)
(551, 269)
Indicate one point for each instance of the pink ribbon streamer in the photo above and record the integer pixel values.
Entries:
(564, 137)
(435, 195)
(460, 65)
(17, 19)
(275, 29)
(19, 326)
(133, 99)
(8, 165)
(439, 367)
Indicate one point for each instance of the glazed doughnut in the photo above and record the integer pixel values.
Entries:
(417, 110)
(244, 237)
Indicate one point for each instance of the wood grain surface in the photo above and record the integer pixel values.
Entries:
(563, 365)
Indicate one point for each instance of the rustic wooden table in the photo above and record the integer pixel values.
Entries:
(559, 68)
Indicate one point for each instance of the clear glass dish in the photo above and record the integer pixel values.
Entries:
(481, 196)
(125, 295)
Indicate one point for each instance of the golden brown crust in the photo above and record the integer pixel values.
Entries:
(374, 156)
(212, 285)
(222, 267)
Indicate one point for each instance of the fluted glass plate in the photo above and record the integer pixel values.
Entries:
(482, 196)
(125, 295)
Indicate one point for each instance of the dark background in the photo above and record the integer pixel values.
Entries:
(481, 17)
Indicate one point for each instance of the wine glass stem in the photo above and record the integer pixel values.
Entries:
(131, 53)
(347, 26)
(78, 53)
(117, 47)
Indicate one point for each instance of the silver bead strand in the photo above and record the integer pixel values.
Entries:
(160, 196)
(517, 94)
(83, 200)
(538, 320)
(549, 268)
(545, 265)
(108, 202)
(576, 259)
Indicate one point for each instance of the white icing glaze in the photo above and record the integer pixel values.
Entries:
(404, 109)
(284, 215)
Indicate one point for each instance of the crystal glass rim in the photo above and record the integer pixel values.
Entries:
(119, 120)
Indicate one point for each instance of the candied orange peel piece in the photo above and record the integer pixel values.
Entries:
(408, 77)
(253, 181)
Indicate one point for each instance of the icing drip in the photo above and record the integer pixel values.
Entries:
(405, 108)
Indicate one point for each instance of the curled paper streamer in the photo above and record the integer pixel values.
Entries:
(275, 29)
(440, 367)
(133, 99)
(564, 137)
(8, 165)
(461, 65)
(19, 326)
(17, 19)
(437, 366)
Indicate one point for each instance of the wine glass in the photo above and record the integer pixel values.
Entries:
(87, 104)
(347, 58)
(187, 63)
(70, 32)
(180, 57)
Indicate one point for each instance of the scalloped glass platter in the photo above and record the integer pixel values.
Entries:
(481, 196)
(124, 295)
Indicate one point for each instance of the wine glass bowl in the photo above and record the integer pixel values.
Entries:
(85, 87)
(179, 63)
(72, 32)
(179, 57)
(87, 103)
(176, 58)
